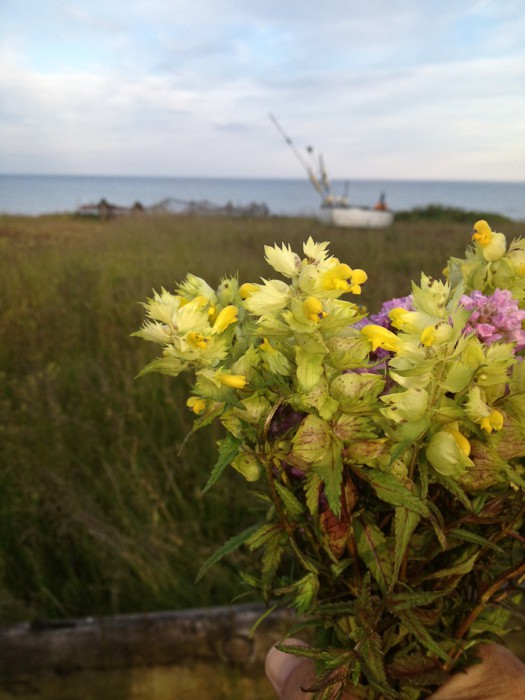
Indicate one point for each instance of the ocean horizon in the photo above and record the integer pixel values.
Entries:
(35, 195)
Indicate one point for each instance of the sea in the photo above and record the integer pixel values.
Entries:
(34, 195)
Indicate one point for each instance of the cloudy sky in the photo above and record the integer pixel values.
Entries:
(392, 89)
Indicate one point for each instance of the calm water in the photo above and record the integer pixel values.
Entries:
(44, 194)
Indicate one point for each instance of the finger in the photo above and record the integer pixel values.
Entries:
(499, 676)
(288, 674)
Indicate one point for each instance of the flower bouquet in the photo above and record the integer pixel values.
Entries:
(387, 452)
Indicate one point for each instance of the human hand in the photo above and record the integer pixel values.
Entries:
(499, 676)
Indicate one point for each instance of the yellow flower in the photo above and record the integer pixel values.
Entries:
(246, 289)
(492, 422)
(196, 404)
(358, 278)
(235, 381)
(337, 277)
(340, 277)
(381, 337)
(493, 245)
(267, 347)
(226, 317)
(197, 340)
(461, 440)
(313, 309)
(436, 333)
(398, 316)
(447, 453)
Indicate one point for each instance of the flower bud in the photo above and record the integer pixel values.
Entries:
(196, 404)
(446, 455)
(235, 381)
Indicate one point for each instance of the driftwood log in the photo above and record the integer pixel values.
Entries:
(209, 635)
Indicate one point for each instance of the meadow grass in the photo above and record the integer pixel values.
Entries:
(100, 512)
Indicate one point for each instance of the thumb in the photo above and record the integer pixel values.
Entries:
(290, 674)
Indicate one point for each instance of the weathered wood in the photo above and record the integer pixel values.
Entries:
(209, 635)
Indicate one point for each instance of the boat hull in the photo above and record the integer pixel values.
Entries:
(356, 217)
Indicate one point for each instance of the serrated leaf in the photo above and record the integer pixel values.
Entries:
(395, 492)
(454, 488)
(463, 566)
(407, 601)
(292, 505)
(468, 536)
(312, 490)
(368, 645)
(228, 450)
(306, 593)
(418, 670)
(373, 550)
(414, 627)
(230, 546)
(271, 559)
(262, 535)
(405, 522)
(202, 421)
(330, 469)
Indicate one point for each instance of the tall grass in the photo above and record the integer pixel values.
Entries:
(99, 510)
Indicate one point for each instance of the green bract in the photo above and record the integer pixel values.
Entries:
(390, 460)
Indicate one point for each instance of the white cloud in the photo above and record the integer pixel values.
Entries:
(427, 90)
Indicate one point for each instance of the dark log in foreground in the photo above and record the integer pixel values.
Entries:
(209, 635)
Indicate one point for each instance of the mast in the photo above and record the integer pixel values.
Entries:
(318, 185)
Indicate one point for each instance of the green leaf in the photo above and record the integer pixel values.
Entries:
(262, 535)
(271, 559)
(292, 505)
(311, 439)
(415, 628)
(405, 522)
(473, 537)
(409, 600)
(309, 368)
(312, 490)
(454, 488)
(458, 377)
(330, 469)
(306, 593)
(204, 420)
(230, 546)
(373, 550)
(395, 492)
(463, 566)
(418, 670)
(228, 450)
(368, 640)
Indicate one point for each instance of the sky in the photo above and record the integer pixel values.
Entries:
(383, 89)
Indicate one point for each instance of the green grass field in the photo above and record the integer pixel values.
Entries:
(99, 513)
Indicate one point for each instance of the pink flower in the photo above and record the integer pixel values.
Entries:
(495, 317)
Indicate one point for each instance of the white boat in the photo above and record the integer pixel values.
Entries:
(336, 210)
